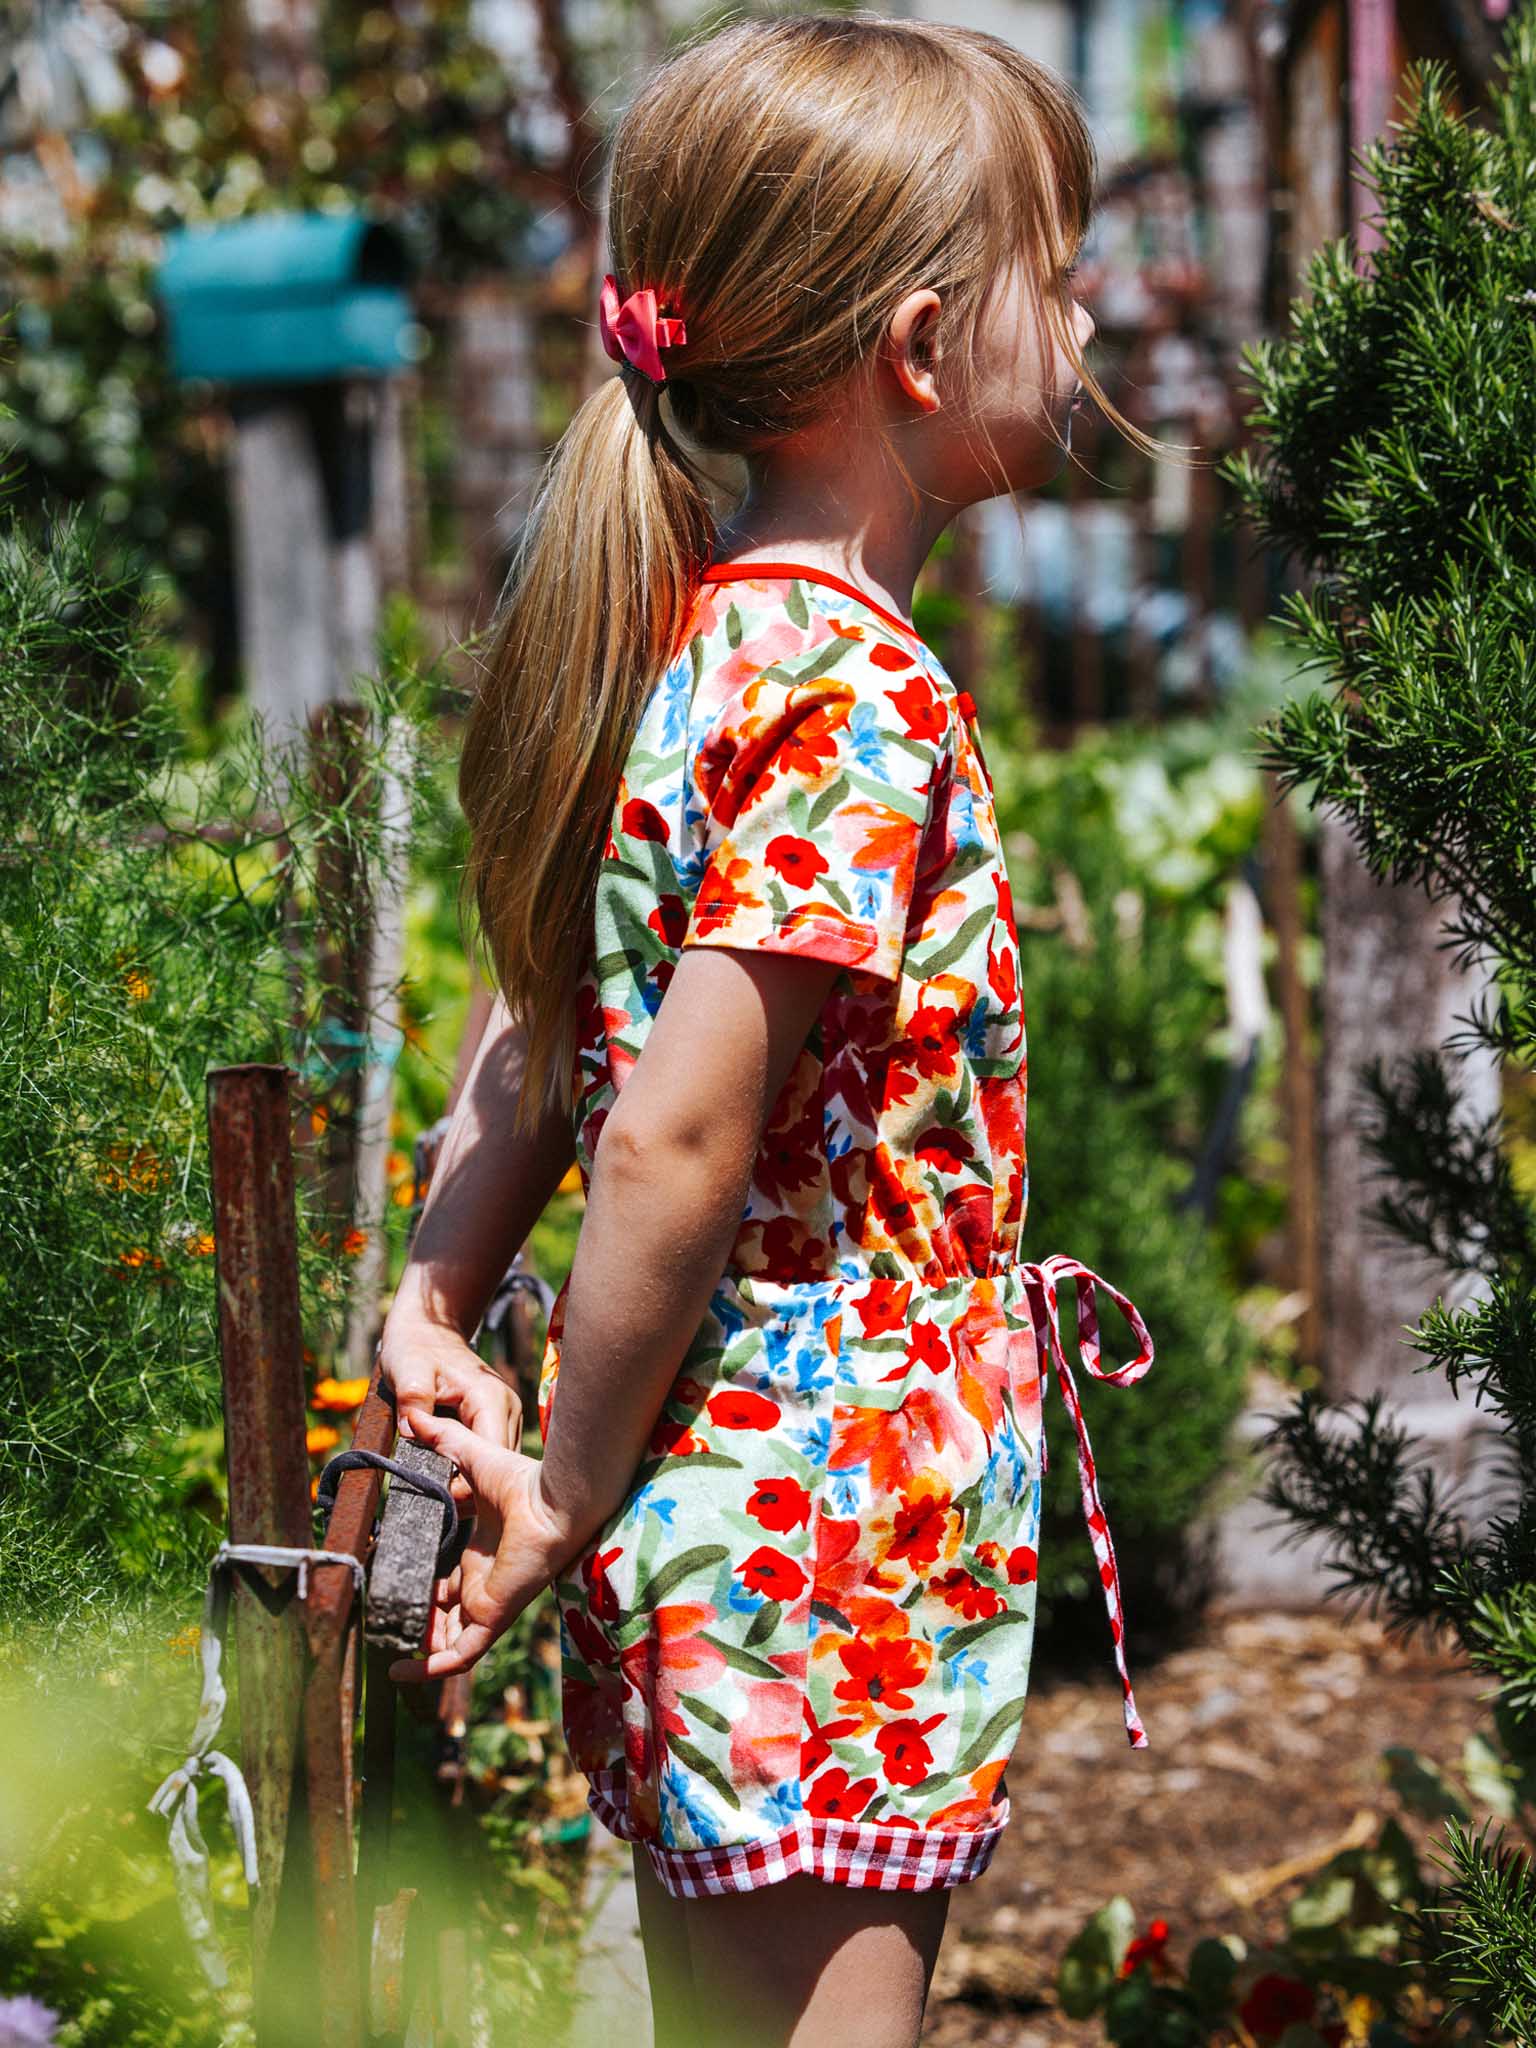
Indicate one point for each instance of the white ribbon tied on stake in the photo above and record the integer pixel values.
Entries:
(176, 1796)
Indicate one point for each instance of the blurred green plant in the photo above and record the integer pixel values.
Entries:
(158, 916)
(1121, 850)
(1362, 1958)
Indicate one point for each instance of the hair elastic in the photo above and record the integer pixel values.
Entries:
(632, 332)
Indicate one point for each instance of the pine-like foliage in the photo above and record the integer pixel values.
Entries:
(1398, 463)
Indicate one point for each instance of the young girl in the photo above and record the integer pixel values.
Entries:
(735, 855)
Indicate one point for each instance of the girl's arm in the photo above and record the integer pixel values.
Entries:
(668, 1190)
(669, 1185)
(490, 1185)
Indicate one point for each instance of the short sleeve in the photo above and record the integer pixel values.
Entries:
(818, 779)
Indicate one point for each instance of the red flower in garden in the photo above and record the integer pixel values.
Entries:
(934, 1041)
(831, 1797)
(740, 1408)
(771, 1572)
(883, 1671)
(798, 861)
(780, 1505)
(1275, 2002)
(904, 1754)
(966, 1595)
(1150, 1948)
(1022, 1565)
(669, 920)
(641, 820)
(920, 1528)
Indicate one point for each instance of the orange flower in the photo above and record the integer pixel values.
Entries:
(353, 1242)
(321, 1438)
(136, 985)
(186, 1641)
(339, 1397)
(140, 1259)
(200, 1245)
(397, 1166)
(404, 1194)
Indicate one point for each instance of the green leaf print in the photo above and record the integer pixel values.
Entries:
(696, 657)
(741, 1660)
(826, 803)
(830, 886)
(794, 604)
(701, 1710)
(963, 1638)
(822, 661)
(672, 1574)
(929, 964)
(834, 1615)
(733, 627)
(977, 1751)
(701, 1767)
(764, 1622)
(608, 964)
(702, 1460)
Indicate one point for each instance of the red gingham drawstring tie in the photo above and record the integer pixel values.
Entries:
(1042, 1282)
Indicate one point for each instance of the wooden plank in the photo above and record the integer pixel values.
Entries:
(404, 1568)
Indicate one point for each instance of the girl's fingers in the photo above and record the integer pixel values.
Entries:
(482, 1462)
(488, 1405)
(475, 1638)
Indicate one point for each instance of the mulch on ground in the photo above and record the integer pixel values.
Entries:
(1264, 1741)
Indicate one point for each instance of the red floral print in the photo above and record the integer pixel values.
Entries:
(803, 1640)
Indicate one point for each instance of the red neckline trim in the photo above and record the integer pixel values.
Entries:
(744, 572)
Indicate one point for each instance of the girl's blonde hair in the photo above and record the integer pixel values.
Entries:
(781, 185)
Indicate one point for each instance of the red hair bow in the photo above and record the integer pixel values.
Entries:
(632, 333)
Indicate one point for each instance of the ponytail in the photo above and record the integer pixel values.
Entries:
(603, 572)
(780, 184)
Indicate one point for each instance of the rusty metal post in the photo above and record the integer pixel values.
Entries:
(263, 1372)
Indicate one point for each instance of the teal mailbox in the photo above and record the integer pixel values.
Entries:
(288, 298)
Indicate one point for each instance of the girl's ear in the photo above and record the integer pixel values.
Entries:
(912, 347)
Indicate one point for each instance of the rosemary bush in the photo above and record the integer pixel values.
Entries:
(1398, 418)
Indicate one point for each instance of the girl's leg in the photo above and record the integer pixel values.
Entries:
(664, 1930)
(807, 1964)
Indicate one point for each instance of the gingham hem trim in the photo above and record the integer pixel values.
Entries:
(838, 1851)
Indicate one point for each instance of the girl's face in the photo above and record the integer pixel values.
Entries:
(1025, 387)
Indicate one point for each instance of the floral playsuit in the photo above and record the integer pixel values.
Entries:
(803, 1641)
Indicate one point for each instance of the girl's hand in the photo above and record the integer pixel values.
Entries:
(429, 1365)
(519, 1544)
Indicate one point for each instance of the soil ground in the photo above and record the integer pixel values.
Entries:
(1264, 1741)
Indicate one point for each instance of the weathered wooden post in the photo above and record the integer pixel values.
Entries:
(255, 1232)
